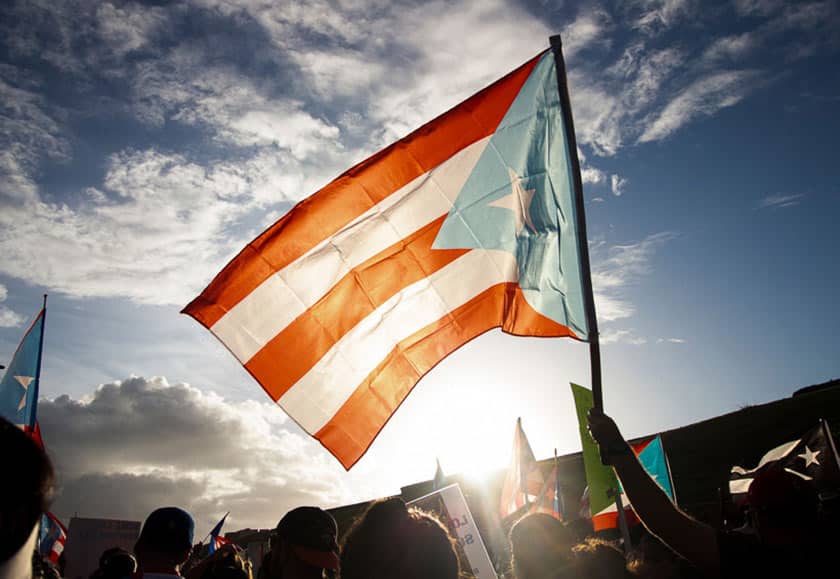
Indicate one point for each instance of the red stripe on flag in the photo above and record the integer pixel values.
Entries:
(356, 191)
(353, 428)
(296, 349)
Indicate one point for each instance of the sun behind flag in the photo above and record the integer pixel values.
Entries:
(20, 384)
(467, 224)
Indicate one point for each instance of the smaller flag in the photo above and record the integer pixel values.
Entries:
(523, 480)
(52, 537)
(812, 457)
(550, 499)
(19, 385)
(439, 481)
(651, 455)
(216, 541)
(601, 479)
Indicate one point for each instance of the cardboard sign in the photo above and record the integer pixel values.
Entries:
(450, 506)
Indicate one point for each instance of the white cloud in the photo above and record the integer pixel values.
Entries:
(165, 226)
(780, 201)
(8, 318)
(729, 47)
(659, 15)
(128, 27)
(617, 184)
(616, 268)
(610, 336)
(703, 97)
(141, 443)
(670, 340)
(758, 7)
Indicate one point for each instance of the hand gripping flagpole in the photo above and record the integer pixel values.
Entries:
(583, 247)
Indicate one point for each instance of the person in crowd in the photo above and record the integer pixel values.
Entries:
(165, 543)
(303, 546)
(115, 563)
(650, 559)
(540, 545)
(392, 540)
(598, 559)
(43, 568)
(230, 561)
(782, 506)
(26, 491)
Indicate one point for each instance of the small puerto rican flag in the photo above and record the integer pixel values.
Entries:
(216, 541)
(52, 537)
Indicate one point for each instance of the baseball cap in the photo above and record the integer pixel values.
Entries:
(312, 534)
(168, 527)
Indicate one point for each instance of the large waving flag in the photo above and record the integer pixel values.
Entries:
(467, 224)
(19, 386)
(523, 480)
(52, 537)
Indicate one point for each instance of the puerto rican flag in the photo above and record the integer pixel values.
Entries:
(467, 224)
(52, 538)
(216, 540)
(20, 383)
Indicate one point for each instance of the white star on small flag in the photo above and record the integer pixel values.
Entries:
(25, 381)
(518, 201)
(810, 457)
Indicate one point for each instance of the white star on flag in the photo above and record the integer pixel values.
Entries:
(810, 457)
(518, 201)
(25, 381)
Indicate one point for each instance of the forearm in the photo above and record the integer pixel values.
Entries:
(693, 540)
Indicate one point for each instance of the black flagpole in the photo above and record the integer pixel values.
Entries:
(583, 247)
(583, 250)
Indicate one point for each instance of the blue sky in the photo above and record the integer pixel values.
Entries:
(144, 144)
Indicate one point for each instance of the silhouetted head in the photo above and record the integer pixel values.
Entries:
(166, 539)
(26, 488)
(596, 558)
(784, 508)
(540, 545)
(116, 563)
(392, 540)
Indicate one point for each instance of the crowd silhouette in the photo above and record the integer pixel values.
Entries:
(788, 532)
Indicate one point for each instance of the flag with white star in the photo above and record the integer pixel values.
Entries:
(467, 224)
(19, 386)
(812, 457)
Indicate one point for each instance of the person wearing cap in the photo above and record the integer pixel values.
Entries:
(165, 543)
(783, 508)
(303, 546)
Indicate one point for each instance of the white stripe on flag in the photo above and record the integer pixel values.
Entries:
(284, 296)
(772, 455)
(314, 399)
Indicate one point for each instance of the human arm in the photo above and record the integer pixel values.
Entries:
(695, 541)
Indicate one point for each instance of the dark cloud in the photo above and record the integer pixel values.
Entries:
(141, 443)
